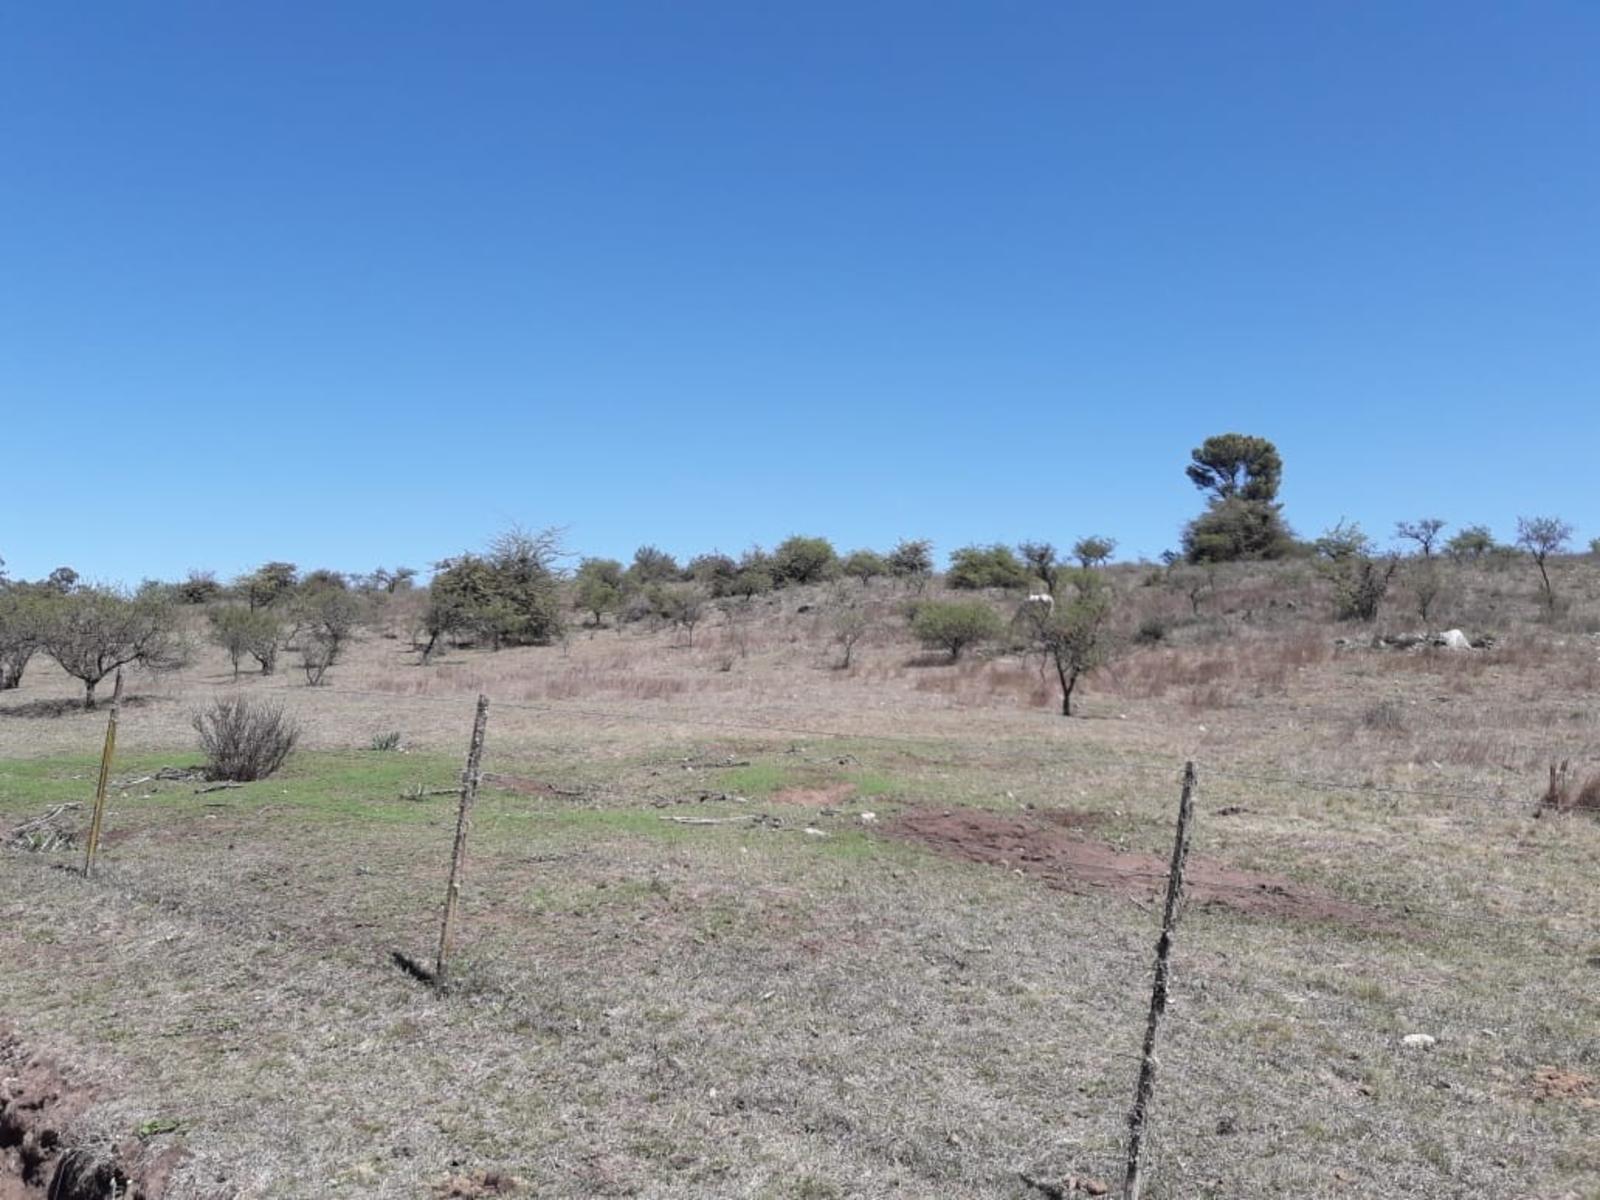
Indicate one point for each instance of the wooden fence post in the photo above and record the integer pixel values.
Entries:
(469, 793)
(98, 818)
(1133, 1180)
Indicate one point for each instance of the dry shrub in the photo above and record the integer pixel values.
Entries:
(1386, 716)
(243, 739)
(1566, 793)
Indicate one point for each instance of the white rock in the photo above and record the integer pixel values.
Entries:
(1453, 639)
(869, 817)
(1419, 1041)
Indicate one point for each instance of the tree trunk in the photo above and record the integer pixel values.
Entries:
(1069, 680)
(88, 693)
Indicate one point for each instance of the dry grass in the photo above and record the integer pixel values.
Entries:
(650, 1008)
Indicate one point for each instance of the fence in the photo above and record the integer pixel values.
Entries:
(1143, 1076)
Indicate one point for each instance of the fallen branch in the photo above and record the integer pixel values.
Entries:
(756, 817)
(217, 787)
(43, 834)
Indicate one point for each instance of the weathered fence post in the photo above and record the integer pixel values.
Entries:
(92, 843)
(1133, 1181)
(469, 792)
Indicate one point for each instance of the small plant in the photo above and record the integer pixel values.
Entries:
(244, 740)
(385, 741)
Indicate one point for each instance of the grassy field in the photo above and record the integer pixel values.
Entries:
(740, 924)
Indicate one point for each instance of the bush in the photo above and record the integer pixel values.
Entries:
(1235, 529)
(954, 625)
(996, 566)
(1152, 629)
(242, 631)
(912, 561)
(385, 742)
(804, 560)
(865, 565)
(244, 740)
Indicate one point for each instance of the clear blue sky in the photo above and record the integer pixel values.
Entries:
(360, 283)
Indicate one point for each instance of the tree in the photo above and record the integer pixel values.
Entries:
(1594, 546)
(1236, 464)
(62, 580)
(327, 623)
(681, 604)
(389, 582)
(269, 583)
(1359, 580)
(996, 566)
(912, 562)
(1473, 542)
(1073, 634)
(955, 625)
(652, 565)
(1093, 551)
(802, 560)
(850, 625)
(865, 565)
(239, 631)
(21, 623)
(1242, 519)
(1237, 530)
(1424, 532)
(511, 595)
(1425, 587)
(598, 586)
(1541, 537)
(94, 630)
(1043, 562)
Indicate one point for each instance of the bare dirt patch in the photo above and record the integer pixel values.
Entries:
(1558, 1083)
(815, 797)
(38, 1105)
(1041, 846)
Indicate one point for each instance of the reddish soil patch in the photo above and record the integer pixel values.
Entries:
(1039, 845)
(815, 797)
(1556, 1083)
(37, 1104)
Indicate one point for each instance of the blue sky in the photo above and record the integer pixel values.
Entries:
(361, 283)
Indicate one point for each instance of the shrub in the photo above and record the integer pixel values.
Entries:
(244, 740)
(714, 572)
(1473, 542)
(996, 566)
(804, 560)
(912, 561)
(1360, 582)
(955, 625)
(653, 565)
(1567, 791)
(201, 587)
(385, 742)
(598, 586)
(865, 565)
(511, 595)
(1236, 529)
(1152, 629)
(850, 625)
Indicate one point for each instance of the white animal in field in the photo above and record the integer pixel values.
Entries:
(1042, 599)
